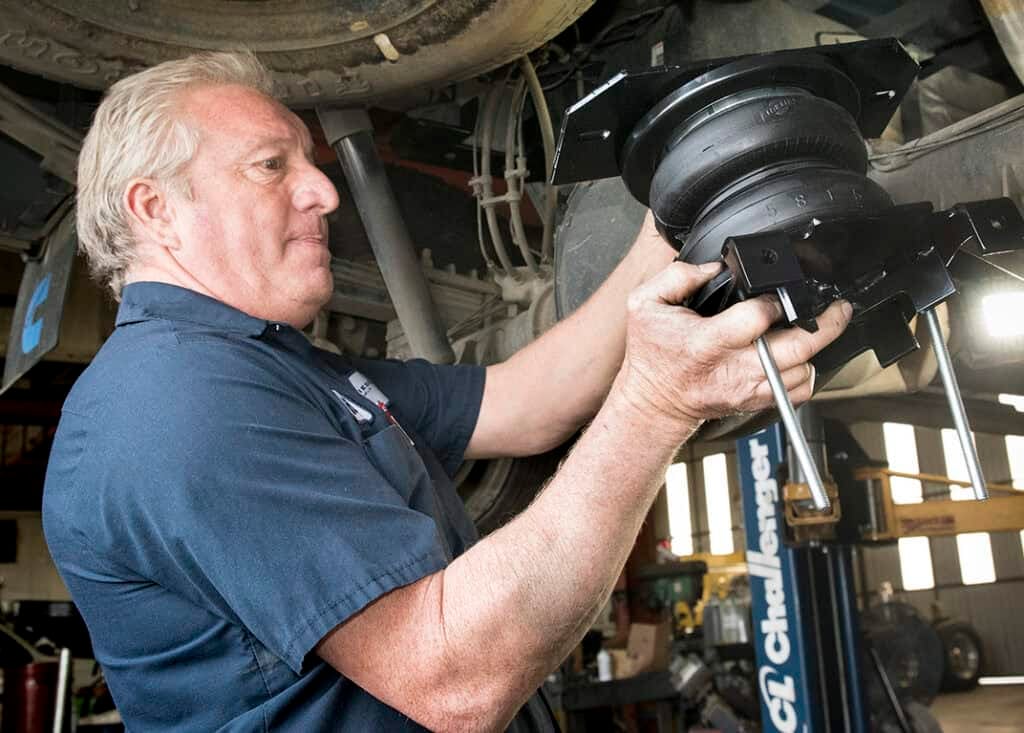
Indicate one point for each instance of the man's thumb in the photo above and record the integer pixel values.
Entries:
(680, 280)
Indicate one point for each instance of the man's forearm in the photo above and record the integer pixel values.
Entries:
(551, 575)
(569, 369)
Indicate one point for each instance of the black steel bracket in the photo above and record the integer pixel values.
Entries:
(890, 267)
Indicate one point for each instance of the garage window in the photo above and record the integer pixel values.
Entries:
(916, 563)
(680, 523)
(901, 452)
(915, 552)
(1016, 401)
(974, 550)
(716, 494)
(1015, 454)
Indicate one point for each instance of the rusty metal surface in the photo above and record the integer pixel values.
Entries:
(320, 51)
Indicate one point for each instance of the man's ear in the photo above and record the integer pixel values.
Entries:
(150, 211)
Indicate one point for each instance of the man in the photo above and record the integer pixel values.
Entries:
(264, 536)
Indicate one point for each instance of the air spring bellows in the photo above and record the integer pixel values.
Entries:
(760, 159)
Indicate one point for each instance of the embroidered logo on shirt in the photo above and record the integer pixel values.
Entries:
(361, 415)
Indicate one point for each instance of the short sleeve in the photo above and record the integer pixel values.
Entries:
(246, 497)
(440, 402)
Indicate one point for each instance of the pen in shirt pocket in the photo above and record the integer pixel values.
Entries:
(391, 419)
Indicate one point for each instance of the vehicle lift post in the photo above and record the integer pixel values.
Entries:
(805, 617)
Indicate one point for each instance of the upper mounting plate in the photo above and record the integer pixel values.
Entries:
(868, 78)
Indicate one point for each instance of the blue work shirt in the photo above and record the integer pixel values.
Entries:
(221, 495)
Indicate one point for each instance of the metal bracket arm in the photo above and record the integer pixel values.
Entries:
(890, 268)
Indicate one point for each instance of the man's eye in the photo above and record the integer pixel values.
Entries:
(271, 164)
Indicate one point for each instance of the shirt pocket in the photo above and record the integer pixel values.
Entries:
(398, 462)
(403, 468)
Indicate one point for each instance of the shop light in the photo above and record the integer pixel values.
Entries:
(1016, 401)
(680, 524)
(1005, 680)
(716, 498)
(1003, 314)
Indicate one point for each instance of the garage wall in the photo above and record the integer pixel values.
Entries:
(993, 608)
(32, 576)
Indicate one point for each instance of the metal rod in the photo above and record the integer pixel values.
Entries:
(956, 405)
(838, 637)
(349, 132)
(813, 428)
(794, 432)
(63, 677)
(810, 606)
(890, 693)
(841, 564)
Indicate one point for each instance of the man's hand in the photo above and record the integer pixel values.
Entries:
(684, 369)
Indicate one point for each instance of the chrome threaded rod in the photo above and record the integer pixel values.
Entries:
(794, 432)
(956, 405)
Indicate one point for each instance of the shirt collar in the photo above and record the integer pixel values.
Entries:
(144, 301)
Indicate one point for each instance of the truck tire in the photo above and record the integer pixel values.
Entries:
(910, 652)
(600, 224)
(320, 51)
(963, 655)
(494, 491)
(918, 716)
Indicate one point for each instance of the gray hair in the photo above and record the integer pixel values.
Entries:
(137, 132)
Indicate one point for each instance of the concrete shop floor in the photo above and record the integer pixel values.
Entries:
(997, 709)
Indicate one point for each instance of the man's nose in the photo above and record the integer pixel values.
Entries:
(314, 192)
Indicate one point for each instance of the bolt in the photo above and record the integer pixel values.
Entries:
(386, 47)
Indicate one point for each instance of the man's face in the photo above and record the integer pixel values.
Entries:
(254, 232)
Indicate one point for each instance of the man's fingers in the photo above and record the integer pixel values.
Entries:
(802, 393)
(738, 325)
(679, 281)
(795, 378)
(794, 346)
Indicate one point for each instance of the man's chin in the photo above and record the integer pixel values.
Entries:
(316, 297)
(321, 294)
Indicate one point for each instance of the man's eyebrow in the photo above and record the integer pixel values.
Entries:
(278, 142)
